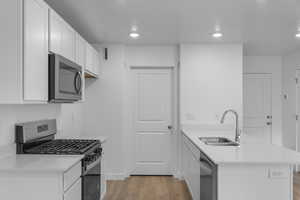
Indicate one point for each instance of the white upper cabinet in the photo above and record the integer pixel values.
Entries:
(62, 37)
(35, 50)
(92, 66)
(80, 50)
(32, 29)
(24, 51)
(89, 58)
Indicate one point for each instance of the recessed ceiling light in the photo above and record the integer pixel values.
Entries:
(217, 35)
(134, 35)
(297, 35)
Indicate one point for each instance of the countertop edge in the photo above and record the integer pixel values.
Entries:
(237, 162)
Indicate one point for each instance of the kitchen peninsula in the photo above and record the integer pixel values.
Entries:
(249, 171)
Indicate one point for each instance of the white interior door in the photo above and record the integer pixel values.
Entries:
(152, 116)
(257, 108)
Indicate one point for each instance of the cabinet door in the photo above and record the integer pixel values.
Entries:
(35, 50)
(68, 41)
(74, 193)
(191, 168)
(89, 58)
(62, 37)
(80, 50)
(185, 161)
(195, 176)
(55, 33)
(96, 61)
(92, 60)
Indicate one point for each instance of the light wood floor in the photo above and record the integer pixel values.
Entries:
(297, 186)
(147, 188)
(159, 188)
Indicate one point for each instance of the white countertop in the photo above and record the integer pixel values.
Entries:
(247, 153)
(38, 163)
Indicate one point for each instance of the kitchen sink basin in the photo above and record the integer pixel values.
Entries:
(218, 141)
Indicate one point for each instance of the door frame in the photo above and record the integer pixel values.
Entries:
(297, 122)
(129, 147)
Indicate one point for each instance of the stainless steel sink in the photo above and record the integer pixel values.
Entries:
(218, 141)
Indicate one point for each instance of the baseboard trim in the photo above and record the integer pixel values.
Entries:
(116, 176)
(103, 195)
(123, 176)
(177, 174)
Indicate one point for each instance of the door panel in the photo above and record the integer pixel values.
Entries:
(152, 116)
(257, 108)
(68, 41)
(55, 33)
(80, 50)
(35, 50)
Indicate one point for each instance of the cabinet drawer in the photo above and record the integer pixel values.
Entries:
(72, 175)
(195, 151)
(74, 193)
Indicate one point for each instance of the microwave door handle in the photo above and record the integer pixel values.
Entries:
(78, 80)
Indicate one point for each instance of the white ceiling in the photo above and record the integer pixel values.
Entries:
(266, 27)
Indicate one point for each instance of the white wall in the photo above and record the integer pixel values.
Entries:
(102, 112)
(210, 81)
(271, 65)
(290, 63)
(151, 56)
(71, 119)
(107, 110)
(68, 117)
(12, 114)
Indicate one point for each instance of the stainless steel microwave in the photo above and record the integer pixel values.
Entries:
(65, 80)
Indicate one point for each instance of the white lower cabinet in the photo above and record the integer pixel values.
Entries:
(41, 185)
(71, 176)
(74, 193)
(191, 168)
(239, 181)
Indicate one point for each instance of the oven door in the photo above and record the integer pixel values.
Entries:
(91, 181)
(65, 79)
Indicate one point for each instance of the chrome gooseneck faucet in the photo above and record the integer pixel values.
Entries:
(237, 129)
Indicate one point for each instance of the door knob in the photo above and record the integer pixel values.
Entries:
(269, 117)
(170, 127)
(269, 123)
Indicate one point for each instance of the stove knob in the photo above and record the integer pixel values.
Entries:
(88, 158)
(98, 151)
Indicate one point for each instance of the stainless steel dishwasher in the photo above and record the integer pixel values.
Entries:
(208, 178)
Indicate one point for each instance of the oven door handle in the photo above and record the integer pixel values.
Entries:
(91, 166)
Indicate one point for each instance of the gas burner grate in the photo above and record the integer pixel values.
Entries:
(63, 146)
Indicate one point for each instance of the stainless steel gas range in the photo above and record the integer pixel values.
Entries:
(38, 137)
